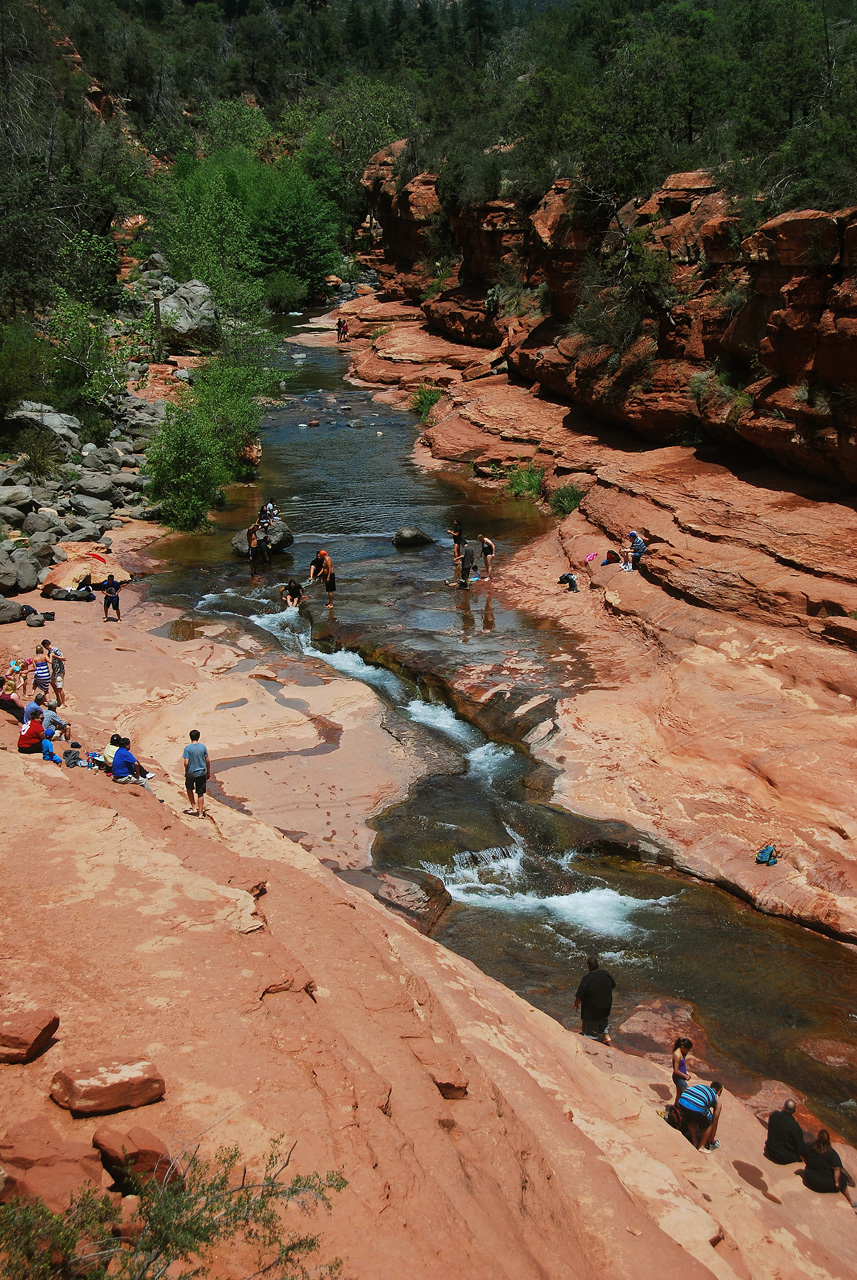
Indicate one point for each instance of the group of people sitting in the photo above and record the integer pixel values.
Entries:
(699, 1107)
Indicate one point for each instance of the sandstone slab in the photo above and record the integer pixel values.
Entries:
(24, 1035)
(138, 1151)
(40, 1163)
(97, 1088)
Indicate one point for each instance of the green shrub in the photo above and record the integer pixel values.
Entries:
(24, 364)
(699, 385)
(565, 500)
(620, 290)
(202, 1205)
(424, 399)
(284, 292)
(524, 481)
(40, 453)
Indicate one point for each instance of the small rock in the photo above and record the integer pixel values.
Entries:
(411, 536)
(95, 1088)
(24, 1035)
(138, 1150)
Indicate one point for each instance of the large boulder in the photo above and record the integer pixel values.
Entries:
(189, 317)
(12, 517)
(278, 534)
(24, 1035)
(9, 610)
(38, 522)
(95, 1088)
(62, 425)
(91, 508)
(27, 570)
(127, 480)
(411, 536)
(138, 1151)
(86, 563)
(16, 495)
(38, 1163)
(93, 485)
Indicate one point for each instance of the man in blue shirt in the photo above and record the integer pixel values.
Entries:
(127, 768)
(700, 1106)
(197, 771)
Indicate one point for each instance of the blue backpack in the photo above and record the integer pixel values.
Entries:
(768, 855)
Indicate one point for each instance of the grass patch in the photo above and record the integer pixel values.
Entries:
(424, 399)
(565, 500)
(40, 453)
(524, 482)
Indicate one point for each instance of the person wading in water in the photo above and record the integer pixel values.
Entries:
(322, 569)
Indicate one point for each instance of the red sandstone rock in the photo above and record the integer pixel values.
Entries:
(95, 1088)
(38, 1162)
(24, 1035)
(833, 1052)
(138, 1150)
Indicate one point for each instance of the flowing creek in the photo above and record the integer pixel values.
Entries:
(534, 888)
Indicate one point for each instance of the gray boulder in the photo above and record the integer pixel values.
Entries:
(410, 536)
(16, 495)
(35, 522)
(278, 534)
(9, 611)
(87, 532)
(91, 508)
(8, 577)
(93, 485)
(128, 480)
(189, 316)
(35, 620)
(63, 425)
(11, 517)
(28, 569)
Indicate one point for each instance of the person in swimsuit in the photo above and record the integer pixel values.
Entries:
(292, 594)
(457, 540)
(10, 699)
(681, 1048)
(257, 547)
(321, 569)
(488, 553)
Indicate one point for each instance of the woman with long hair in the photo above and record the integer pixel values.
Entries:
(681, 1049)
(823, 1169)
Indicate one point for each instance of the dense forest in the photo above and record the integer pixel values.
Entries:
(240, 130)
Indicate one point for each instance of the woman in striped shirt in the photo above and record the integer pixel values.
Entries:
(42, 671)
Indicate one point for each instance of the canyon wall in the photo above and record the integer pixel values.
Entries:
(757, 352)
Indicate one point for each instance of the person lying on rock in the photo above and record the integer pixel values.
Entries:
(60, 728)
(823, 1169)
(594, 999)
(700, 1106)
(127, 768)
(785, 1143)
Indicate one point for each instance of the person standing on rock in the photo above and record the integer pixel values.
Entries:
(457, 541)
(321, 570)
(111, 588)
(339, 326)
(488, 553)
(197, 771)
(41, 672)
(681, 1049)
(785, 1143)
(257, 548)
(594, 999)
(57, 662)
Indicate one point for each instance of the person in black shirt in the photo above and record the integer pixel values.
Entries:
(111, 589)
(823, 1169)
(465, 566)
(785, 1143)
(594, 998)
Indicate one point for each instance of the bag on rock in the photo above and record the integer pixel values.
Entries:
(768, 855)
(674, 1118)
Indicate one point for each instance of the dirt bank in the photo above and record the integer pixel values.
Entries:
(478, 1137)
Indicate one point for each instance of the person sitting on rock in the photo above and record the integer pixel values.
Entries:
(10, 699)
(633, 553)
(785, 1143)
(292, 594)
(127, 768)
(700, 1106)
(32, 735)
(37, 703)
(59, 728)
(823, 1169)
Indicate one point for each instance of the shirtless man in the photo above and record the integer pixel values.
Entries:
(322, 570)
(257, 548)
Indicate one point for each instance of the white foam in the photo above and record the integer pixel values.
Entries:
(436, 716)
(351, 664)
(489, 761)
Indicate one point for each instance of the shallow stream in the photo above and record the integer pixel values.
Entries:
(534, 888)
